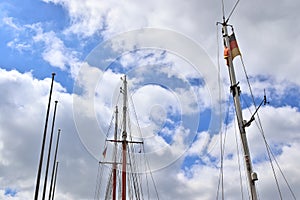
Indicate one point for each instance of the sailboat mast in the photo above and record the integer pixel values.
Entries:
(124, 137)
(114, 197)
(235, 90)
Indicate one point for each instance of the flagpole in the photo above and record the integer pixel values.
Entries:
(53, 167)
(36, 194)
(235, 90)
(49, 151)
(55, 177)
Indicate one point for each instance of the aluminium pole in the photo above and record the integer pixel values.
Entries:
(54, 161)
(49, 151)
(36, 193)
(235, 89)
(55, 177)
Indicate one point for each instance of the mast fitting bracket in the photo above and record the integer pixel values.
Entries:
(232, 89)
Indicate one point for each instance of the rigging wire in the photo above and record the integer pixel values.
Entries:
(221, 175)
(261, 130)
(286, 181)
(143, 149)
(220, 110)
(108, 187)
(269, 152)
(239, 160)
(223, 10)
(134, 168)
(234, 7)
(97, 192)
(133, 172)
(221, 181)
(259, 124)
(100, 166)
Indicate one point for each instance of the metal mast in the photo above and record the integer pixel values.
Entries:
(36, 193)
(49, 152)
(54, 162)
(55, 177)
(124, 139)
(235, 90)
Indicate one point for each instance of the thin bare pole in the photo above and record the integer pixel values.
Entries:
(49, 151)
(124, 141)
(56, 168)
(36, 194)
(53, 167)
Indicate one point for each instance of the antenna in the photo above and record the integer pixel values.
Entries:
(223, 10)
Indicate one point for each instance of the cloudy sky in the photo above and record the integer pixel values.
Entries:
(171, 52)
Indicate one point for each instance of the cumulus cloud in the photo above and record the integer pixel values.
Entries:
(10, 22)
(55, 52)
(24, 103)
(74, 159)
(96, 91)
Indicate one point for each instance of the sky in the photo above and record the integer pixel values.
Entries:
(171, 52)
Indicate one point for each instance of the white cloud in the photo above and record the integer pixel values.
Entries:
(199, 145)
(9, 21)
(195, 19)
(24, 103)
(56, 53)
(16, 44)
(73, 160)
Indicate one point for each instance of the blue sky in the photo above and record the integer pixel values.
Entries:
(24, 54)
(168, 50)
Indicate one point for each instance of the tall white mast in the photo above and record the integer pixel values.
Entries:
(235, 90)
